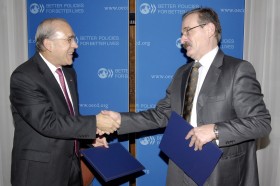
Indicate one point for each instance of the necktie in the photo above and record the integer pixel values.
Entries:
(66, 95)
(190, 91)
(62, 83)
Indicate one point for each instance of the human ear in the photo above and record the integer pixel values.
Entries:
(48, 44)
(211, 29)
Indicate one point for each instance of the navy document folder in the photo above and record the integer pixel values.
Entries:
(113, 162)
(198, 165)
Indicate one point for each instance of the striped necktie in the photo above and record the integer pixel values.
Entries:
(190, 91)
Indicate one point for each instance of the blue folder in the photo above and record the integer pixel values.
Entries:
(198, 165)
(113, 162)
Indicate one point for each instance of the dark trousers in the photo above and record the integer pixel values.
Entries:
(75, 174)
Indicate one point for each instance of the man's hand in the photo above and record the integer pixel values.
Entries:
(106, 124)
(114, 115)
(100, 141)
(201, 135)
(99, 132)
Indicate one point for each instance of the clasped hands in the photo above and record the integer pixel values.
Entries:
(107, 122)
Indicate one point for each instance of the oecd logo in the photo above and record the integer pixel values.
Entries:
(178, 43)
(105, 73)
(150, 140)
(146, 8)
(36, 8)
(77, 40)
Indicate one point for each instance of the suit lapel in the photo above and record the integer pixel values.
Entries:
(210, 80)
(50, 79)
(53, 84)
(185, 78)
(184, 83)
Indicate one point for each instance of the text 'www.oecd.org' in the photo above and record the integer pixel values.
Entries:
(115, 8)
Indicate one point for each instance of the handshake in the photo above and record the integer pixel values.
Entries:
(107, 122)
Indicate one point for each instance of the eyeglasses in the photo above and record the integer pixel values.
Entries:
(186, 31)
(70, 39)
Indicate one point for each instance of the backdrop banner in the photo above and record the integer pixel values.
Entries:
(101, 29)
(159, 54)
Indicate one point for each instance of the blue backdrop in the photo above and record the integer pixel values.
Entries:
(101, 28)
(158, 55)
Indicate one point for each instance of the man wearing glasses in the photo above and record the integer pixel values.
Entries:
(225, 105)
(44, 103)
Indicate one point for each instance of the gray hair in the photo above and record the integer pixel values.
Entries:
(44, 31)
(207, 15)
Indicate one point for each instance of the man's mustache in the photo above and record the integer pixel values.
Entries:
(186, 44)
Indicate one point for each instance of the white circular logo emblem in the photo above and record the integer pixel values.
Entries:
(103, 73)
(178, 43)
(34, 8)
(145, 8)
(144, 141)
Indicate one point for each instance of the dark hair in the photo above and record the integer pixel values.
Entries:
(44, 31)
(207, 15)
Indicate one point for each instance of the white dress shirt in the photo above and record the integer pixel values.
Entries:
(53, 69)
(206, 62)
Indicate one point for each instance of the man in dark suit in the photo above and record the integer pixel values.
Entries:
(45, 110)
(228, 107)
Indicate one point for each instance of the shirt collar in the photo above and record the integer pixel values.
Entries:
(208, 58)
(50, 65)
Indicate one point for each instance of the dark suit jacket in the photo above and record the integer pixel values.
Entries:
(229, 97)
(44, 130)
